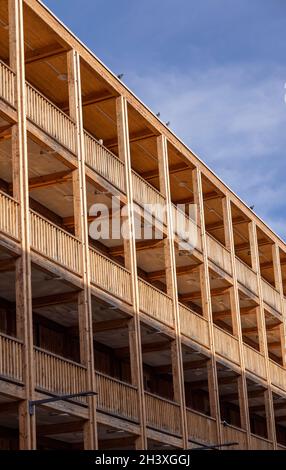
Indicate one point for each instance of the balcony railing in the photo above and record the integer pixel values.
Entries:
(145, 193)
(7, 83)
(226, 345)
(155, 303)
(231, 433)
(162, 414)
(246, 276)
(260, 443)
(110, 276)
(58, 375)
(50, 118)
(186, 228)
(116, 397)
(254, 361)
(9, 213)
(271, 296)
(55, 243)
(194, 326)
(219, 254)
(201, 428)
(277, 375)
(11, 358)
(104, 162)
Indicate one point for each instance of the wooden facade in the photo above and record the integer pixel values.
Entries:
(184, 346)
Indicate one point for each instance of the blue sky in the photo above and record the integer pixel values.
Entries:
(215, 69)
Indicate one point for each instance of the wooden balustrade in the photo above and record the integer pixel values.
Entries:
(144, 193)
(55, 243)
(271, 296)
(194, 326)
(58, 375)
(110, 276)
(9, 215)
(162, 414)
(226, 345)
(254, 361)
(11, 358)
(219, 254)
(246, 276)
(104, 162)
(259, 443)
(7, 84)
(231, 433)
(277, 375)
(201, 428)
(155, 303)
(116, 397)
(50, 118)
(186, 228)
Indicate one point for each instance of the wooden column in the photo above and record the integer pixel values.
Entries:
(262, 331)
(81, 232)
(235, 308)
(171, 282)
(131, 264)
(24, 315)
(206, 301)
(279, 287)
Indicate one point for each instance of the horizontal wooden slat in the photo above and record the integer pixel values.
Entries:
(271, 296)
(246, 276)
(194, 326)
(155, 303)
(259, 443)
(226, 345)
(254, 361)
(277, 375)
(218, 254)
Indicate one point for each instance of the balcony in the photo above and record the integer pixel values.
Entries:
(11, 358)
(155, 303)
(230, 433)
(277, 375)
(9, 216)
(116, 397)
(246, 276)
(55, 243)
(7, 84)
(163, 414)
(194, 326)
(110, 276)
(145, 193)
(201, 428)
(271, 296)
(186, 228)
(260, 443)
(254, 361)
(219, 254)
(226, 345)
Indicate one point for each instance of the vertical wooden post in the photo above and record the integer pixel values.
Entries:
(279, 287)
(235, 306)
(206, 301)
(271, 429)
(131, 264)
(81, 231)
(27, 425)
(171, 282)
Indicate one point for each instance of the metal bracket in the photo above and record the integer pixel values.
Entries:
(34, 403)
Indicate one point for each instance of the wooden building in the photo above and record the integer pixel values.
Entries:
(183, 347)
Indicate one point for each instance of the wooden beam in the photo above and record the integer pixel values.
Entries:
(109, 325)
(197, 295)
(278, 406)
(186, 365)
(135, 137)
(60, 428)
(7, 265)
(90, 99)
(207, 197)
(227, 313)
(48, 180)
(55, 299)
(117, 443)
(5, 132)
(234, 396)
(152, 174)
(146, 348)
(140, 246)
(46, 52)
(245, 246)
(220, 224)
(204, 382)
(274, 345)
(156, 275)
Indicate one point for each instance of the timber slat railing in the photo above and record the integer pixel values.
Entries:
(186, 228)
(254, 361)
(201, 428)
(218, 254)
(7, 84)
(58, 375)
(162, 414)
(277, 375)
(226, 345)
(145, 193)
(246, 276)
(110, 276)
(11, 357)
(230, 433)
(9, 215)
(271, 296)
(116, 397)
(50, 118)
(260, 443)
(155, 303)
(55, 243)
(193, 325)
(104, 162)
